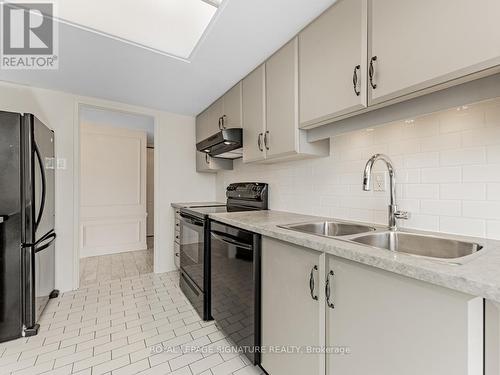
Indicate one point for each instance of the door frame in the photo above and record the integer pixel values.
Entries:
(115, 107)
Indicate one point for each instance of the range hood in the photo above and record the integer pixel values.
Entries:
(226, 144)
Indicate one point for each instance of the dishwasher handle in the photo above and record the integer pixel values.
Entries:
(230, 241)
(191, 220)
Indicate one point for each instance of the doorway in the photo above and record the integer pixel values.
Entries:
(116, 195)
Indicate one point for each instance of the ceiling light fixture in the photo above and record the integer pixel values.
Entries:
(169, 27)
(214, 3)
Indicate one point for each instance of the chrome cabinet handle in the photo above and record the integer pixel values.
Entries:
(355, 81)
(327, 290)
(222, 122)
(206, 159)
(266, 140)
(177, 255)
(371, 72)
(259, 142)
(311, 283)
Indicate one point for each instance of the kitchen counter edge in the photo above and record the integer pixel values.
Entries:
(478, 276)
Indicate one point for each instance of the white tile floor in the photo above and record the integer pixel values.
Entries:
(115, 266)
(110, 327)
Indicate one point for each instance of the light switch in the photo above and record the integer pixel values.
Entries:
(61, 163)
(379, 181)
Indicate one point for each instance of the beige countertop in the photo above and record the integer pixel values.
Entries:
(479, 275)
(196, 204)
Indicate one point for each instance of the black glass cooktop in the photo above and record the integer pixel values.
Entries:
(205, 211)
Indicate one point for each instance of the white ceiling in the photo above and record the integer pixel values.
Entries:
(242, 35)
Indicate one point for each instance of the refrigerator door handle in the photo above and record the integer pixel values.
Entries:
(44, 185)
(51, 236)
(46, 236)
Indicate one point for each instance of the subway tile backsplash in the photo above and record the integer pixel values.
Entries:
(447, 170)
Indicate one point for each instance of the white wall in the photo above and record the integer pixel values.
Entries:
(447, 165)
(175, 168)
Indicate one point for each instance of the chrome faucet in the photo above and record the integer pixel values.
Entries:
(394, 213)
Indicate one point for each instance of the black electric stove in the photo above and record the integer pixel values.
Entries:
(195, 240)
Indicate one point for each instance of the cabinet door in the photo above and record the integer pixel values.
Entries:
(205, 163)
(216, 111)
(254, 115)
(203, 125)
(232, 107)
(492, 338)
(395, 325)
(282, 101)
(290, 316)
(419, 44)
(332, 58)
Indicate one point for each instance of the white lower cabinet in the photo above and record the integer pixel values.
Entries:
(395, 325)
(492, 338)
(290, 316)
(388, 324)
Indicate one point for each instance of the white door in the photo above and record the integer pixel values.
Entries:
(150, 192)
(395, 325)
(419, 44)
(254, 115)
(113, 190)
(332, 63)
(290, 315)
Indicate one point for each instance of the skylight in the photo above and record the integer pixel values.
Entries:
(170, 27)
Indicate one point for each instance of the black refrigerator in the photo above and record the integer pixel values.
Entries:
(27, 236)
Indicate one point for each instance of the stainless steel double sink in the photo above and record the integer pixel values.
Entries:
(400, 241)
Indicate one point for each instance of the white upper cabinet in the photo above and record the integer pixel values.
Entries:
(232, 107)
(283, 140)
(282, 101)
(254, 115)
(207, 164)
(333, 63)
(421, 44)
(224, 112)
(203, 128)
(270, 112)
(207, 122)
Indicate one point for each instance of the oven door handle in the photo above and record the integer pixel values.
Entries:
(190, 220)
(218, 236)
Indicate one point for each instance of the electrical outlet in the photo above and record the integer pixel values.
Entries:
(379, 181)
(61, 163)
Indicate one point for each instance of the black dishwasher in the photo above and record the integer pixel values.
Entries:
(235, 281)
